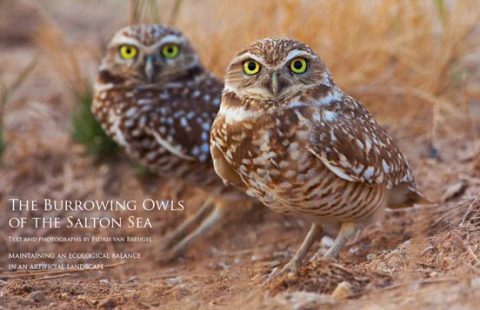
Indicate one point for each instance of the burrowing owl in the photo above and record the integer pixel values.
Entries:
(156, 100)
(287, 135)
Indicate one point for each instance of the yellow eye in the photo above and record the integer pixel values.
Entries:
(128, 51)
(251, 67)
(170, 50)
(298, 65)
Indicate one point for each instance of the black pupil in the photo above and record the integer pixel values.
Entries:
(170, 50)
(297, 64)
(128, 50)
(252, 66)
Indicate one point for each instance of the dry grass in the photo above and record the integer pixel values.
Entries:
(6, 92)
(409, 61)
(154, 11)
(400, 56)
(64, 58)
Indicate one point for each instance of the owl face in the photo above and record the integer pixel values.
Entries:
(272, 69)
(150, 54)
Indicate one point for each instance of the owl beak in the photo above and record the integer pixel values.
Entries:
(274, 84)
(151, 70)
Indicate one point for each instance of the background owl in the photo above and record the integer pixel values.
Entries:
(156, 100)
(287, 135)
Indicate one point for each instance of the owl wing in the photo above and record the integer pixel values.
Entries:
(353, 146)
(183, 133)
(181, 124)
(218, 149)
(223, 168)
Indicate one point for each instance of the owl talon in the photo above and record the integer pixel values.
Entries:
(182, 243)
(274, 274)
(291, 267)
(289, 270)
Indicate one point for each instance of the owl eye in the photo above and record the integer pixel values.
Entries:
(298, 65)
(251, 67)
(128, 51)
(170, 50)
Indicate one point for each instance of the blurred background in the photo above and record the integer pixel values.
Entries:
(415, 64)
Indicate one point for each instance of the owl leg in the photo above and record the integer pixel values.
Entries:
(217, 214)
(314, 234)
(181, 231)
(347, 230)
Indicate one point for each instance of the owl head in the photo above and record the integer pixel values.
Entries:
(149, 54)
(275, 68)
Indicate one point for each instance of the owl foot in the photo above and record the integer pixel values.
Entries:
(177, 244)
(291, 268)
(181, 231)
(347, 231)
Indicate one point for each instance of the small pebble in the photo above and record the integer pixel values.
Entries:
(173, 281)
(475, 282)
(132, 279)
(327, 242)
(342, 291)
(38, 296)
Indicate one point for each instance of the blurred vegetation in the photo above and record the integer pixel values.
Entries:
(6, 92)
(85, 129)
(64, 57)
(150, 11)
(408, 61)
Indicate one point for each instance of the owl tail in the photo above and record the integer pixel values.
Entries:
(405, 195)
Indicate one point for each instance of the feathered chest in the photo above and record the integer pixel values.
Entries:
(267, 153)
(156, 124)
(126, 114)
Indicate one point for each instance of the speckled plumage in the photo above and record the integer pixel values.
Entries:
(164, 124)
(166, 127)
(161, 119)
(305, 147)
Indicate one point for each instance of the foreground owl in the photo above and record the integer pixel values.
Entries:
(156, 100)
(287, 135)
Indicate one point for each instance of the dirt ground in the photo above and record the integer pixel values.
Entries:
(423, 257)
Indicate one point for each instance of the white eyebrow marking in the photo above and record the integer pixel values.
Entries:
(295, 53)
(291, 55)
(170, 39)
(249, 55)
(121, 39)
